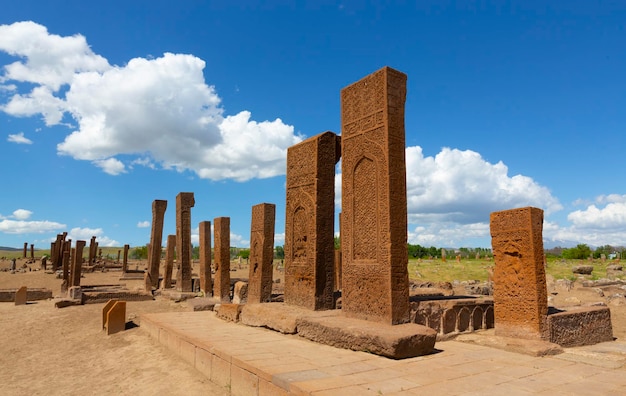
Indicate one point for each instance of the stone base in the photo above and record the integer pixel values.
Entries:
(228, 312)
(518, 345)
(203, 303)
(584, 326)
(397, 342)
(278, 316)
(175, 295)
(104, 296)
(66, 302)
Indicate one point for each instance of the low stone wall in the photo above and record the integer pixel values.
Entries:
(8, 295)
(583, 326)
(450, 316)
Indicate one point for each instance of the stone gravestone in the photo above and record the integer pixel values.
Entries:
(520, 294)
(205, 257)
(169, 261)
(221, 237)
(310, 220)
(184, 202)
(159, 207)
(77, 263)
(374, 205)
(116, 317)
(92, 251)
(125, 260)
(21, 296)
(105, 311)
(261, 253)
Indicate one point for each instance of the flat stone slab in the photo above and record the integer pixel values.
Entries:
(397, 342)
(175, 295)
(517, 345)
(278, 316)
(66, 302)
(104, 296)
(203, 303)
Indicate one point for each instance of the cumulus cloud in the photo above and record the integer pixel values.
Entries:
(152, 111)
(451, 195)
(112, 166)
(143, 224)
(28, 227)
(22, 214)
(85, 234)
(19, 139)
(611, 216)
(460, 186)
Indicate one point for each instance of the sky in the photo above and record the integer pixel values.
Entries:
(107, 106)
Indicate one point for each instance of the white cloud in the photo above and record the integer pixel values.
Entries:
(50, 60)
(461, 187)
(154, 111)
(112, 166)
(143, 224)
(28, 227)
(22, 214)
(19, 139)
(85, 234)
(451, 195)
(612, 216)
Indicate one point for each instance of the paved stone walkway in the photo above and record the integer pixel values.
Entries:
(255, 361)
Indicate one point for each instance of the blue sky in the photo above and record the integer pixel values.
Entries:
(107, 106)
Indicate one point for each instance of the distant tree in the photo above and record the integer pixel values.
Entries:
(580, 252)
(606, 250)
(244, 253)
(140, 252)
(195, 252)
(279, 252)
(337, 243)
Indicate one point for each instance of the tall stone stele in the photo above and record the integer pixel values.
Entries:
(520, 294)
(374, 206)
(309, 222)
(204, 231)
(159, 207)
(261, 253)
(221, 237)
(184, 202)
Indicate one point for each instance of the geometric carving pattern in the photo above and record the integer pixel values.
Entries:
(374, 212)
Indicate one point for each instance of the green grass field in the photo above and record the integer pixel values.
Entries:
(419, 270)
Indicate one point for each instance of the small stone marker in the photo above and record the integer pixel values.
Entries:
(115, 317)
(105, 311)
(20, 296)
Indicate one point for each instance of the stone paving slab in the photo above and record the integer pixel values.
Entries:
(257, 361)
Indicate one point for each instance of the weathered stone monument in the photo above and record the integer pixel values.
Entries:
(21, 296)
(77, 263)
(125, 260)
(221, 237)
(261, 253)
(520, 292)
(309, 222)
(156, 236)
(114, 313)
(25, 249)
(205, 257)
(93, 249)
(169, 261)
(374, 205)
(184, 202)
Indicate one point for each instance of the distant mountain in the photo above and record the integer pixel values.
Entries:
(10, 248)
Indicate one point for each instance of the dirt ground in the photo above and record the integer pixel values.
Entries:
(50, 351)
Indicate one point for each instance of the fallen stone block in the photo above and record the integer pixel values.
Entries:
(397, 341)
(278, 316)
(229, 312)
(583, 326)
(203, 303)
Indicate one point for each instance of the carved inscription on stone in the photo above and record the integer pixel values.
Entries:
(309, 222)
(184, 202)
(261, 253)
(156, 236)
(374, 212)
(221, 286)
(520, 292)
